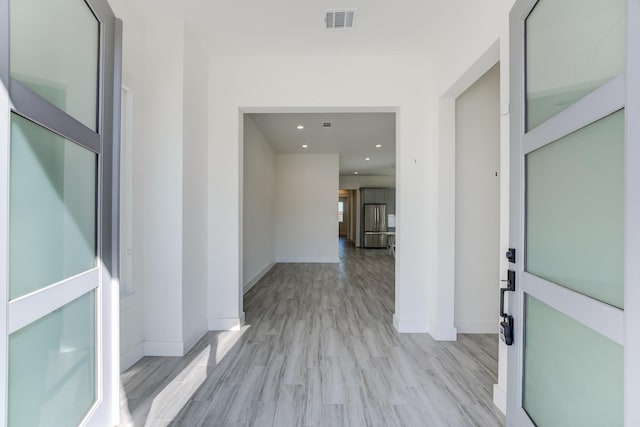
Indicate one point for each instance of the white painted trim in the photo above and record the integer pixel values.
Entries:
(125, 279)
(131, 356)
(516, 208)
(444, 333)
(479, 68)
(500, 398)
(477, 326)
(226, 323)
(602, 318)
(251, 283)
(5, 127)
(405, 326)
(605, 100)
(294, 110)
(289, 260)
(163, 348)
(446, 198)
(220, 324)
(192, 340)
(632, 225)
(36, 305)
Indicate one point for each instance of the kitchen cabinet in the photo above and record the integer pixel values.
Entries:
(368, 196)
(379, 195)
(385, 196)
(391, 201)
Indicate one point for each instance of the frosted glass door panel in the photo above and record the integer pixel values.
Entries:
(52, 226)
(572, 48)
(575, 210)
(573, 376)
(54, 52)
(52, 367)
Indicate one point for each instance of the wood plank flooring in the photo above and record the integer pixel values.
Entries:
(319, 349)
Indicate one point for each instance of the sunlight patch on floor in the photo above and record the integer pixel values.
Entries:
(168, 403)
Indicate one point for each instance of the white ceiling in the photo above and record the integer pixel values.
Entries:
(296, 27)
(353, 136)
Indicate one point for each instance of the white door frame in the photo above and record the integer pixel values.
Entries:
(622, 326)
(495, 53)
(294, 110)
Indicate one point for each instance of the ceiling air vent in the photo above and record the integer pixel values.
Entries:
(336, 19)
(326, 124)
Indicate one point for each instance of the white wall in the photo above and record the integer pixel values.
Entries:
(480, 38)
(478, 205)
(259, 201)
(306, 211)
(163, 122)
(329, 83)
(353, 182)
(195, 183)
(167, 73)
(408, 85)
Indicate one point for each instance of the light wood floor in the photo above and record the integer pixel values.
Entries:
(319, 349)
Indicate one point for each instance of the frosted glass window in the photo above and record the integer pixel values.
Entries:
(573, 376)
(52, 226)
(572, 48)
(54, 52)
(52, 375)
(575, 210)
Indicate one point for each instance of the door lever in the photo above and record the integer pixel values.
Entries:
(506, 326)
(511, 287)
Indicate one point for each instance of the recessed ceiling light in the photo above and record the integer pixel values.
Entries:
(367, 158)
(305, 146)
(378, 145)
(356, 173)
(300, 127)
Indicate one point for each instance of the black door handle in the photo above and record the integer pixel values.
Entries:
(506, 326)
(511, 286)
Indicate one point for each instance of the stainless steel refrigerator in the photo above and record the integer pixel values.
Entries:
(375, 225)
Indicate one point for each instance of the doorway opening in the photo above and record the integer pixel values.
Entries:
(476, 149)
(293, 167)
(477, 218)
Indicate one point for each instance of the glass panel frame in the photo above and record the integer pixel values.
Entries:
(622, 92)
(543, 369)
(553, 259)
(104, 141)
(47, 193)
(31, 69)
(557, 96)
(62, 367)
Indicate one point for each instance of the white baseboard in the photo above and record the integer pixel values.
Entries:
(444, 333)
(500, 398)
(312, 260)
(405, 326)
(193, 339)
(477, 327)
(251, 283)
(131, 356)
(226, 323)
(164, 348)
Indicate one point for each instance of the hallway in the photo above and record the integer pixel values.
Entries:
(319, 349)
